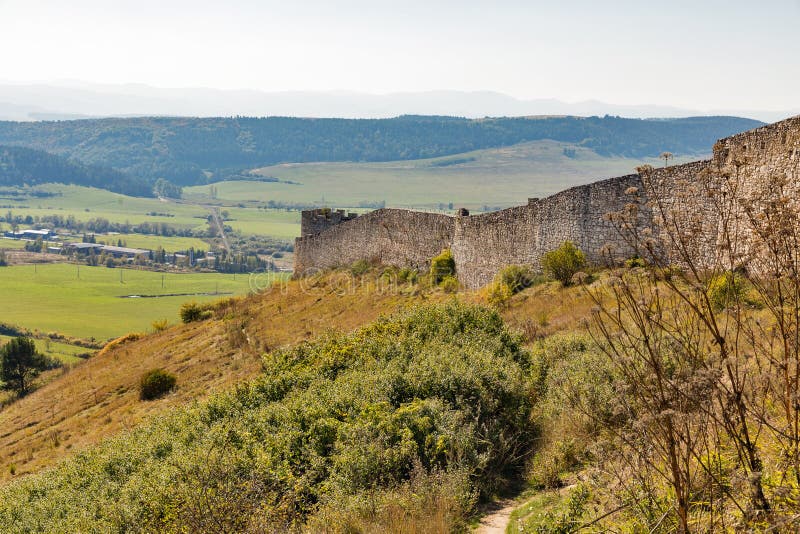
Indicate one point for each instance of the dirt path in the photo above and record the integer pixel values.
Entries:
(496, 521)
(220, 227)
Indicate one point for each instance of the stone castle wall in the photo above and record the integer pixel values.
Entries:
(484, 244)
(313, 222)
(387, 236)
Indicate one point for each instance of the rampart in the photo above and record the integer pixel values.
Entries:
(313, 222)
(387, 236)
(484, 244)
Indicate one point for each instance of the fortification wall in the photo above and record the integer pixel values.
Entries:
(388, 236)
(313, 222)
(759, 155)
(484, 244)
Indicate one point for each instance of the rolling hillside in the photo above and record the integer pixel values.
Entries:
(190, 151)
(495, 177)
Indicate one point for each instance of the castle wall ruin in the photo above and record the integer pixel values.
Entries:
(483, 244)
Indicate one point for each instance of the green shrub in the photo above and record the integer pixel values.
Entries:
(565, 518)
(3, 260)
(563, 263)
(449, 284)
(510, 281)
(518, 277)
(410, 416)
(156, 383)
(443, 266)
(359, 267)
(499, 293)
(407, 275)
(634, 262)
(192, 311)
(728, 289)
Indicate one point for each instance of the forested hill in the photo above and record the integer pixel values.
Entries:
(196, 150)
(19, 165)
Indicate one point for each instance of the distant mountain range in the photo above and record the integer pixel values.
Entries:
(190, 151)
(75, 100)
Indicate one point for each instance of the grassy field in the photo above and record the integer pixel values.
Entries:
(55, 299)
(169, 244)
(11, 244)
(60, 351)
(495, 177)
(280, 224)
(85, 203)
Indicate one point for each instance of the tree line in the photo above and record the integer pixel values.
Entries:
(25, 166)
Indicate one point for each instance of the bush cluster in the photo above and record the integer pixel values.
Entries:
(563, 263)
(510, 281)
(156, 383)
(443, 266)
(728, 289)
(192, 311)
(424, 410)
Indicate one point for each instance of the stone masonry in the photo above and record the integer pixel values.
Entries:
(483, 244)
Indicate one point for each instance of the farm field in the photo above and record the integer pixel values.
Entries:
(85, 203)
(11, 244)
(495, 177)
(280, 224)
(54, 299)
(88, 202)
(169, 244)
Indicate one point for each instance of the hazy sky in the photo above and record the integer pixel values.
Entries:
(700, 54)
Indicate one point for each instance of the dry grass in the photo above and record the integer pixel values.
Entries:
(99, 397)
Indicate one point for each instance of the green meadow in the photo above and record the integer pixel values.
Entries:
(495, 177)
(11, 244)
(85, 203)
(280, 224)
(152, 242)
(85, 302)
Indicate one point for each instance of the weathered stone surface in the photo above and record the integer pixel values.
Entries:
(484, 244)
(388, 236)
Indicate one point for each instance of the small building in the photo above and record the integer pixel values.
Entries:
(30, 234)
(85, 248)
(124, 252)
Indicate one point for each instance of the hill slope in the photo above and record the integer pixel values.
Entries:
(438, 395)
(26, 166)
(98, 398)
(185, 150)
(494, 177)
